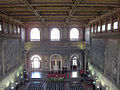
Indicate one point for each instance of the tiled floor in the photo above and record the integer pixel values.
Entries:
(74, 76)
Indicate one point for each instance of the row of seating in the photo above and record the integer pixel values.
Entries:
(75, 86)
(35, 86)
(55, 86)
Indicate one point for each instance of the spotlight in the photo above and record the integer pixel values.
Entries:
(89, 75)
(93, 82)
(88, 70)
(12, 87)
(24, 71)
(98, 86)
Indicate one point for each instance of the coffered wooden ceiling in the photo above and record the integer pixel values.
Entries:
(81, 11)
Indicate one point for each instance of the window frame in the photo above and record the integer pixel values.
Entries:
(109, 29)
(0, 26)
(98, 28)
(95, 29)
(32, 40)
(74, 39)
(115, 21)
(55, 40)
(92, 31)
(103, 30)
(18, 29)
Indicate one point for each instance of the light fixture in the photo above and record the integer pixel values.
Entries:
(89, 75)
(98, 86)
(107, 87)
(96, 78)
(94, 82)
(11, 87)
(88, 70)
(21, 77)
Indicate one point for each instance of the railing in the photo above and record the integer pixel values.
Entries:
(58, 75)
(35, 39)
(55, 40)
(74, 39)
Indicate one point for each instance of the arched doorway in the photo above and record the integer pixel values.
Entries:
(35, 63)
(55, 62)
(74, 62)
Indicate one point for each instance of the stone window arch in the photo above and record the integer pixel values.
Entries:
(35, 34)
(74, 34)
(55, 34)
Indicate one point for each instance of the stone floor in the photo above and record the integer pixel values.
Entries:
(74, 76)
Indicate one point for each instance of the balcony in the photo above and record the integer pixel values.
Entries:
(55, 45)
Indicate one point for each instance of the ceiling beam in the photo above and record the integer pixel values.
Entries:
(33, 10)
(56, 14)
(74, 6)
(72, 18)
(57, 9)
(28, 17)
(3, 11)
(55, 4)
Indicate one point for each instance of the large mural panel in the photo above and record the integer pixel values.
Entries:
(12, 54)
(112, 52)
(1, 58)
(97, 53)
(105, 54)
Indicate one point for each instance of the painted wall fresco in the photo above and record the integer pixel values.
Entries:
(11, 53)
(112, 52)
(97, 52)
(105, 54)
(1, 72)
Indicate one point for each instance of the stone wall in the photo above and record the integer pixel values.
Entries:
(97, 52)
(45, 31)
(45, 58)
(1, 71)
(10, 78)
(112, 59)
(106, 83)
(11, 53)
(105, 55)
(10, 62)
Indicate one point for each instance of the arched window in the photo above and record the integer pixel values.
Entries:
(55, 34)
(74, 61)
(74, 34)
(35, 34)
(35, 61)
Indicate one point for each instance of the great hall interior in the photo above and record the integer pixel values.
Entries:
(59, 44)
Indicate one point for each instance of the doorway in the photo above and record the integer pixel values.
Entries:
(35, 63)
(55, 62)
(74, 63)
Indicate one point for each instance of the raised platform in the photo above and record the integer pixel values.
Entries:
(43, 76)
